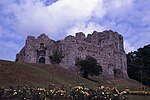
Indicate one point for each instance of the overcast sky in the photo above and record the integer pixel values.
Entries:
(58, 18)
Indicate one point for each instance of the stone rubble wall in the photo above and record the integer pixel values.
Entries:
(106, 47)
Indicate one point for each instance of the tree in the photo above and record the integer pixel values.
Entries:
(56, 57)
(89, 66)
(139, 65)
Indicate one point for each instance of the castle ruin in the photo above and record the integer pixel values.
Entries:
(106, 47)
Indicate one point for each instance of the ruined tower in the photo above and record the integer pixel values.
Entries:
(106, 47)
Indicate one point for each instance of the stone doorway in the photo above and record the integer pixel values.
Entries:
(42, 60)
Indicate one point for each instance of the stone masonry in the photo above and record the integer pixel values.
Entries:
(106, 47)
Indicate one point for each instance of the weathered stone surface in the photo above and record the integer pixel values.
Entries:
(106, 47)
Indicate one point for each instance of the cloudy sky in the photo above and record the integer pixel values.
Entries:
(58, 18)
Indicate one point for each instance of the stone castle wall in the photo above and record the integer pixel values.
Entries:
(106, 47)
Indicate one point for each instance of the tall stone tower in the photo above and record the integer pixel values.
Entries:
(106, 47)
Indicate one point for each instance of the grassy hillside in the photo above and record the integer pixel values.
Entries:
(42, 75)
(37, 75)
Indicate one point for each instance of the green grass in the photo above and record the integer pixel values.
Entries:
(42, 75)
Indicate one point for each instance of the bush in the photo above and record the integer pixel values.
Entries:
(61, 93)
(89, 66)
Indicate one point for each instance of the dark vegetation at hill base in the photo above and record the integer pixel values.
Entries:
(79, 92)
(62, 93)
(139, 65)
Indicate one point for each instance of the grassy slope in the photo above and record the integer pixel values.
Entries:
(42, 75)
(37, 75)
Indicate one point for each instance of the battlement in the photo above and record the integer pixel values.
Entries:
(102, 39)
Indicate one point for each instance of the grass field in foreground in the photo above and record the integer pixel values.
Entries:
(41, 75)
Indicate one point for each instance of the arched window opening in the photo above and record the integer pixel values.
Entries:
(42, 45)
